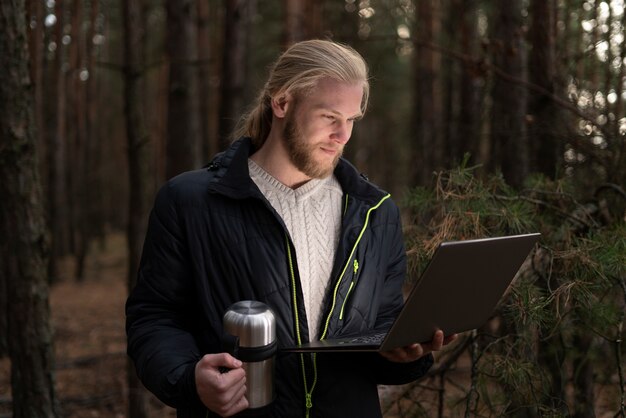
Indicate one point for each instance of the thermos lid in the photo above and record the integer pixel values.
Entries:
(252, 321)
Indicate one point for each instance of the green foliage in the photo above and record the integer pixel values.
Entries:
(566, 308)
(461, 206)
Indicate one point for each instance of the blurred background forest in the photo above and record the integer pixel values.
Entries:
(487, 117)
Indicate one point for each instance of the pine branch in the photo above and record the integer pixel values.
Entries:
(589, 224)
(610, 186)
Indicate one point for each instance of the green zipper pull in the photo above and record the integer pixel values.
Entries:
(355, 264)
(345, 300)
(309, 402)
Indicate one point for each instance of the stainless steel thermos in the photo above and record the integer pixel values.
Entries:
(250, 336)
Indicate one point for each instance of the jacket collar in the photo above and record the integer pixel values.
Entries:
(231, 176)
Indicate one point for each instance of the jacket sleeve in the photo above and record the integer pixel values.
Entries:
(157, 315)
(385, 371)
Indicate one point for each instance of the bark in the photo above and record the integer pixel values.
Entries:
(71, 126)
(24, 247)
(295, 18)
(471, 83)
(543, 113)
(315, 12)
(138, 141)
(56, 152)
(79, 183)
(217, 34)
(303, 20)
(233, 66)
(204, 76)
(427, 102)
(92, 169)
(36, 42)
(509, 141)
(183, 145)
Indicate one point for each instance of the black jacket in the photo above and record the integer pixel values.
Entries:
(213, 239)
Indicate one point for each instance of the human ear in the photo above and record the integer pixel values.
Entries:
(280, 104)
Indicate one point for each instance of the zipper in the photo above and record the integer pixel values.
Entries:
(343, 272)
(352, 283)
(308, 393)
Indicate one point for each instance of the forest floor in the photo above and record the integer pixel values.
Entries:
(90, 341)
(88, 321)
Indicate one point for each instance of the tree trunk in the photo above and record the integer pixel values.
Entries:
(427, 102)
(204, 77)
(303, 20)
(36, 43)
(217, 47)
(314, 20)
(543, 114)
(23, 250)
(94, 227)
(71, 127)
(78, 181)
(295, 17)
(139, 174)
(233, 66)
(509, 142)
(471, 83)
(56, 151)
(183, 144)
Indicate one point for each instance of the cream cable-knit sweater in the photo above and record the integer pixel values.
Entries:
(312, 214)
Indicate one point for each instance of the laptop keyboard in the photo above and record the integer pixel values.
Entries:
(374, 339)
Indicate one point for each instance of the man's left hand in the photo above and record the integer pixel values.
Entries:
(414, 351)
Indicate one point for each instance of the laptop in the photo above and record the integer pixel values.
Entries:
(457, 292)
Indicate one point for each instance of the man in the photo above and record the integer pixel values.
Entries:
(280, 218)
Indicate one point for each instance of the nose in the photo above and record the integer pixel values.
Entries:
(342, 132)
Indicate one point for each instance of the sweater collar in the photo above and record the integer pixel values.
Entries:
(232, 177)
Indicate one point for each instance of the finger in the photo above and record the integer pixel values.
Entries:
(413, 351)
(219, 392)
(240, 405)
(221, 360)
(209, 377)
(216, 365)
(404, 354)
(236, 398)
(450, 338)
(228, 381)
(437, 341)
(392, 355)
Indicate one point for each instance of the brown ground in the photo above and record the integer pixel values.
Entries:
(88, 321)
(90, 344)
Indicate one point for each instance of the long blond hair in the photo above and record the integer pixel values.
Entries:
(296, 72)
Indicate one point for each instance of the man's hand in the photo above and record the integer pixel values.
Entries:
(414, 351)
(223, 393)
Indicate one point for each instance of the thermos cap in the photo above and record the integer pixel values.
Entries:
(252, 321)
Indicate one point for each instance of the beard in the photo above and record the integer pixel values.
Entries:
(302, 152)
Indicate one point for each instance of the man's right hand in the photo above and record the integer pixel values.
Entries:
(222, 393)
